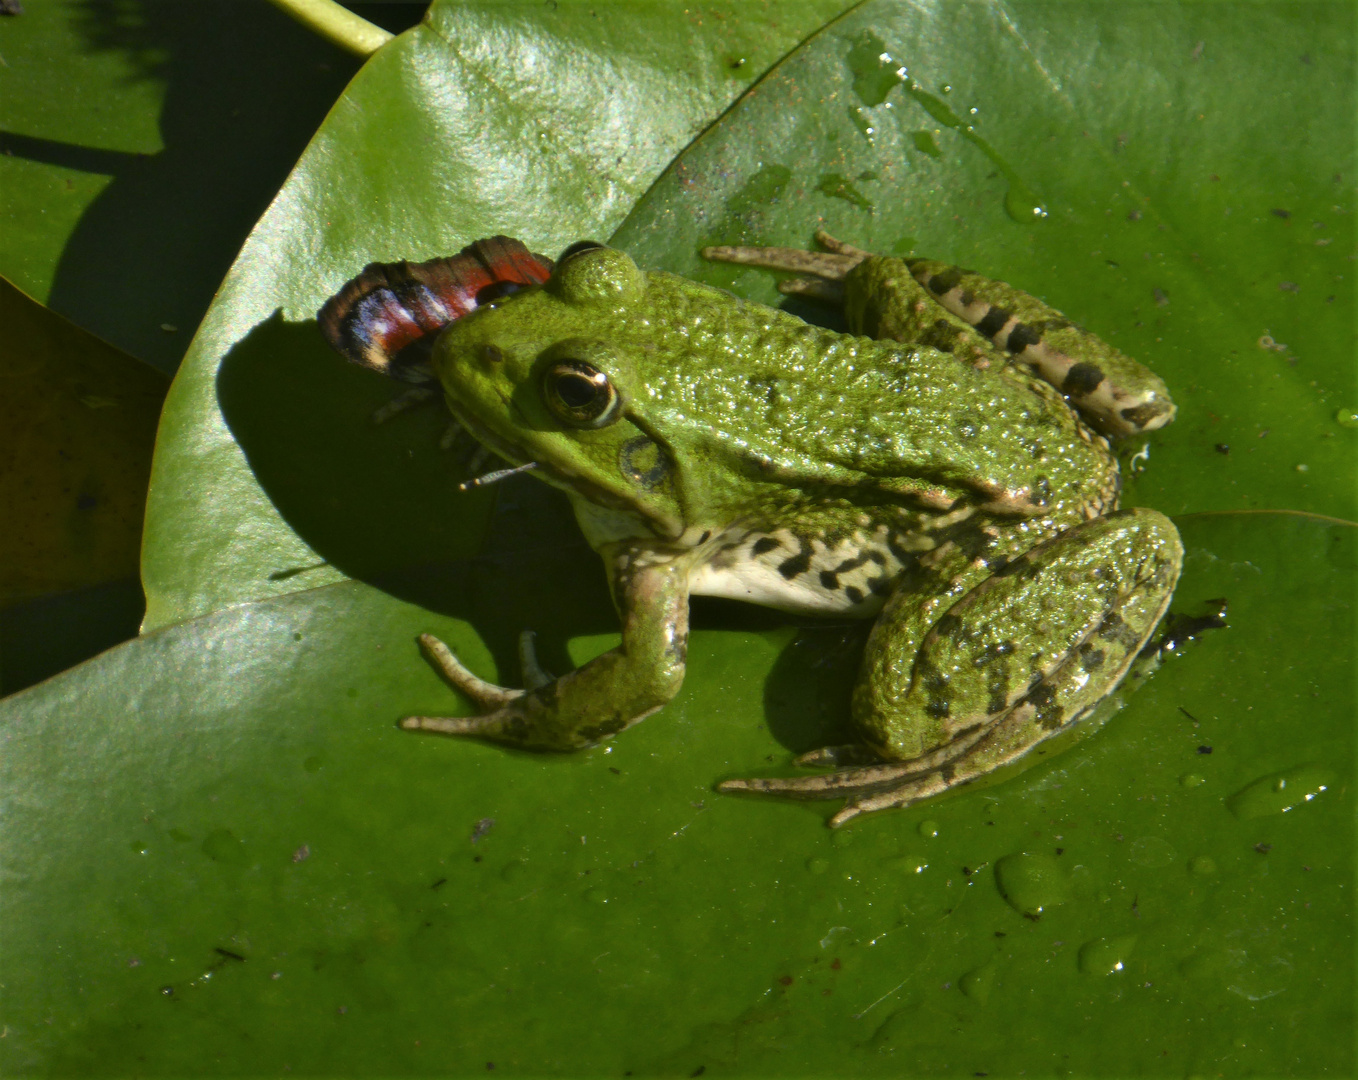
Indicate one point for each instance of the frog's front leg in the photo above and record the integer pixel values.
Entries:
(1022, 655)
(611, 692)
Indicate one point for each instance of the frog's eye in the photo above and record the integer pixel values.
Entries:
(580, 394)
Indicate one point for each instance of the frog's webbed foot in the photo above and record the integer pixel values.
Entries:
(487, 696)
(824, 270)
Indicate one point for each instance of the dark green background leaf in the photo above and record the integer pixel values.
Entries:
(140, 141)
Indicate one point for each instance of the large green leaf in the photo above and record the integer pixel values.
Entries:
(225, 810)
(542, 121)
(222, 856)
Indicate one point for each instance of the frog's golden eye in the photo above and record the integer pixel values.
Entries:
(580, 394)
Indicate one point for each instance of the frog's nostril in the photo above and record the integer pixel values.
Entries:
(492, 354)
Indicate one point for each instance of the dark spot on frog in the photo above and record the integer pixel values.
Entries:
(1141, 415)
(1204, 749)
(1021, 337)
(967, 298)
(764, 545)
(854, 594)
(707, 535)
(1115, 630)
(611, 726)
(993, 322)
(938, 709)
(949, 625)
(946, 280)
(997, 704)
(1222, 448)
(880, 586)
(797, 564)
(1091, 659)
(1050, 714)
(947, 772)
(993, 652)
(1082, 379)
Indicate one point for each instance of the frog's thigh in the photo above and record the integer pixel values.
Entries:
(1043, 639)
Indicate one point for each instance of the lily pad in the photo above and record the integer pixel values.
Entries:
(226, 856)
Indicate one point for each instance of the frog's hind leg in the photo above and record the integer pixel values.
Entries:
(1024, 654)
(1118, 395)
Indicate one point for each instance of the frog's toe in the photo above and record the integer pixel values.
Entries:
(909, 791)
(829, 266)
(499, 726)
(534, 674)
(487, 695)
(868, 788)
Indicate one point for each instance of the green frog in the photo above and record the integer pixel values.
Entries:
(943, 470)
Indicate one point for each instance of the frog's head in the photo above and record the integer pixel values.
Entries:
(541, 362)
(554, 375)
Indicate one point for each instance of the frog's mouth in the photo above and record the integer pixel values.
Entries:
(567, 480)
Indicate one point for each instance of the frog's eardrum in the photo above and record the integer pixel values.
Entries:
(387, 318)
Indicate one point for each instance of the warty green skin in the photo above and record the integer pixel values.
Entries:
(952, 495)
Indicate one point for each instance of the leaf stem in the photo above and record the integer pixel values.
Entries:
(349, 31)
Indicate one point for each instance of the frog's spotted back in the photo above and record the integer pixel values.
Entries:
(387, 318)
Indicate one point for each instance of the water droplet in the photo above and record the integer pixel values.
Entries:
(1022, 205)
(875, 72)
(925, 143)
(1192, 780)
(1151, 852)
(1202, 864)
(139, 847)
(1279, 792)
(1347, 418)
(1032, 883)
(841, 187)
(928, 828)
(978, 982)
(1106, 955)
